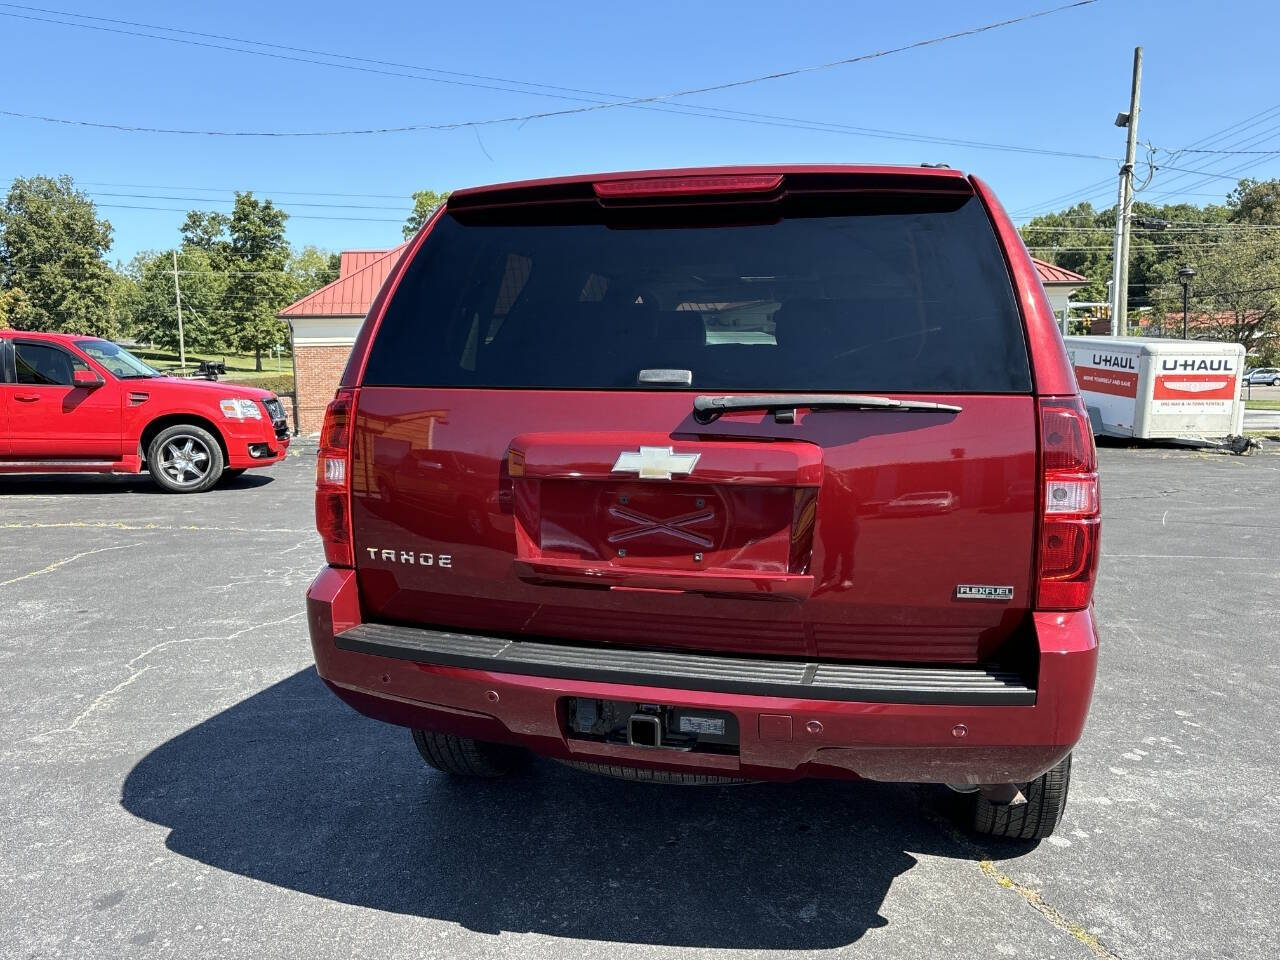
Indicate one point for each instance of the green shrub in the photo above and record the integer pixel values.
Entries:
(275, 382)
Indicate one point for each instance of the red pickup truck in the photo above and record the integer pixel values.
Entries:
(73, 404)
(711, 475)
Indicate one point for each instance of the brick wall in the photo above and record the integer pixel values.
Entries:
(319, 370)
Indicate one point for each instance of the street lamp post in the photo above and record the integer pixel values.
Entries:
(1184, 277)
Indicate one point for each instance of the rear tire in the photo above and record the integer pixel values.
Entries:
(185, 458)
(464, 757)
(1034, 820)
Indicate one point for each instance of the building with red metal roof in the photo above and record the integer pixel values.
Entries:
(1053, 275)
(324, 326)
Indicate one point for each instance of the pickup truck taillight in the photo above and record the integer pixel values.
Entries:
(333, 482)
(1070, 512)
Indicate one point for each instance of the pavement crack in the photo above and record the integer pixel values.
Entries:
(165, 644)
(136, 672)
(1032, 897)
(1049, 912)
(98, 701)
(63, 562)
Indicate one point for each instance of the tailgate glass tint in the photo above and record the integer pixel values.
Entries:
(908, 295)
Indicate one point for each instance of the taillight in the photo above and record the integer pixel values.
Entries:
(689, 186)
(333, 482)
(1069, 508)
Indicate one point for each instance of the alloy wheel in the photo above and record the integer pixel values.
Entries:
(185, 460)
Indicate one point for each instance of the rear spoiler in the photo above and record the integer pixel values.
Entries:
(734, 184)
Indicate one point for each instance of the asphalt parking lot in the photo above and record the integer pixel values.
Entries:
(176, 782)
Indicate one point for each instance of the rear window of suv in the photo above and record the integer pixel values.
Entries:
(910, 295)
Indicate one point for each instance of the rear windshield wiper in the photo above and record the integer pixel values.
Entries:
(709, 409)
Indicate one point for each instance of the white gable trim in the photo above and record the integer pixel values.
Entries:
(325, 331)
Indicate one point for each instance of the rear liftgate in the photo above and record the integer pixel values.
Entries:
(589, 516)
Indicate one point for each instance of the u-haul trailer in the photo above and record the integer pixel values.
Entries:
(1156, 389)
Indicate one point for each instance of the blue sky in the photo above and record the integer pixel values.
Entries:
(1054, 83)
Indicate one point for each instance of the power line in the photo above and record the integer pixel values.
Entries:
(296, 216)
(262, 190)
(1231, 130)
(586, 108)
(1234, 130)
(292, 203)
(1163, 194)
(1162, 248)
(816, 126)
(1250, 121)
(1217, 136)
(1209, 223)
(1222, 291)
(1193, 240)
(356, 59)
(591, 95)
(295, 49)
(1270, 153)
(1208, 174)
(1089, 217)
(80, 271)
(690, 109)
(509, 88)
(1184, 227)
(1058, 198)
(451, 73)
(720, 113)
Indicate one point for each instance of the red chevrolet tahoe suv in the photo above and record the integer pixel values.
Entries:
(715, 475)
(73, 404)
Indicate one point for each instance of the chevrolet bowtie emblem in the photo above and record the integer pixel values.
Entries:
(655, 463)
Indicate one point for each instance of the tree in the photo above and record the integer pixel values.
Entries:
(207, 230)
(425, 203)
(236, 271)
(1081, 239)
(311, 268)
(155, 314)
(1236, 293)
(1254, 201)
(122, 302)
(1076, 238)
(205, 262)
(13, 303)
(53, 265)
(257, 285)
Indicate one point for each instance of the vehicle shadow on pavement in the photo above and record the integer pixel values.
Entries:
(53, 485)
(292, 788)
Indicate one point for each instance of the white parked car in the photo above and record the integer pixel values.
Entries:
(1263, 376)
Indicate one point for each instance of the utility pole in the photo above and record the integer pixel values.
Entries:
(177, 297)
(1124, 205)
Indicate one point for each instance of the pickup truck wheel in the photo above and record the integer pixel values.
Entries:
(1033, 820)
(464, 757)
(185, 458)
